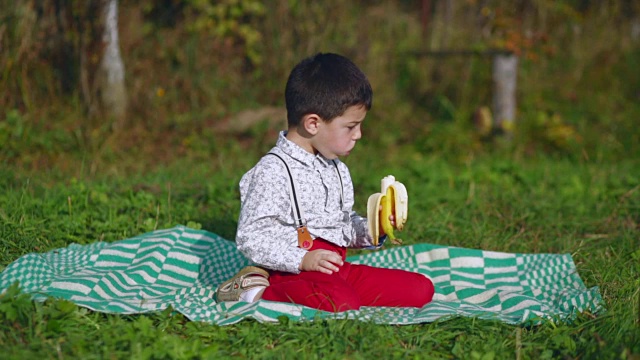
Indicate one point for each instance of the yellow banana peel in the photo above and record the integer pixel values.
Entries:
(391, 200)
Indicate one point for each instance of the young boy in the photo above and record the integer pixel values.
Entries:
(302, 182)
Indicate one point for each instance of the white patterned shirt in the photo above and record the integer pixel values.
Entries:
(267, 228)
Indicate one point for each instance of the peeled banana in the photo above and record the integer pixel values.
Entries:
(391, 200)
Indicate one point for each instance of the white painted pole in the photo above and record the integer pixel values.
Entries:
(114, 95)
(505, 73)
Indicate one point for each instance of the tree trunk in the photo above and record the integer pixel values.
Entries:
(111, 86)
(425, 18)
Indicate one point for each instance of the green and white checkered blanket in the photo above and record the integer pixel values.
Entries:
(181, 268)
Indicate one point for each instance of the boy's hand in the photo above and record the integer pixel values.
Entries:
(321, 260)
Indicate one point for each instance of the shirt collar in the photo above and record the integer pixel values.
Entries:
(295, 151)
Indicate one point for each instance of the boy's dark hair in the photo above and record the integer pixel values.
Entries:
(325, 84)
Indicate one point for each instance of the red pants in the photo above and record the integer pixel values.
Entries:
(351, 287)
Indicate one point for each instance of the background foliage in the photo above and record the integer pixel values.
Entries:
(191, 65)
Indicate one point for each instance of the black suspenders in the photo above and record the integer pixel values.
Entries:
(294, 198)
(304, 239)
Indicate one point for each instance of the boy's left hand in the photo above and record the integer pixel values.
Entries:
(321, 260)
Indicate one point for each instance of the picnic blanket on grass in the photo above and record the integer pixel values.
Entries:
(182, 267)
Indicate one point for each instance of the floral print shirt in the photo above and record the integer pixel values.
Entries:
(267, 225)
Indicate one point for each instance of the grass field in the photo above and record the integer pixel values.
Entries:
(589, 208)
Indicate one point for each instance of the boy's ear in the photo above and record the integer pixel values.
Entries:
(311, 123)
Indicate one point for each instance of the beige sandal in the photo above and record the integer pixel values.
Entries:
(247, 278)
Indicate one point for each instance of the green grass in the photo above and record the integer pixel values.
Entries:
(587, 208)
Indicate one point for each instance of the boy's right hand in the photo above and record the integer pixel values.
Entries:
(321, 260)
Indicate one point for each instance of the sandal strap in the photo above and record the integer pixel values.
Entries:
(253, 281)
(247, 278)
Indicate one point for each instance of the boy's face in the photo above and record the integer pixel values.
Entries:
(338, 137)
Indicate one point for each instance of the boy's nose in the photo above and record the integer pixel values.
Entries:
(357, 135)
